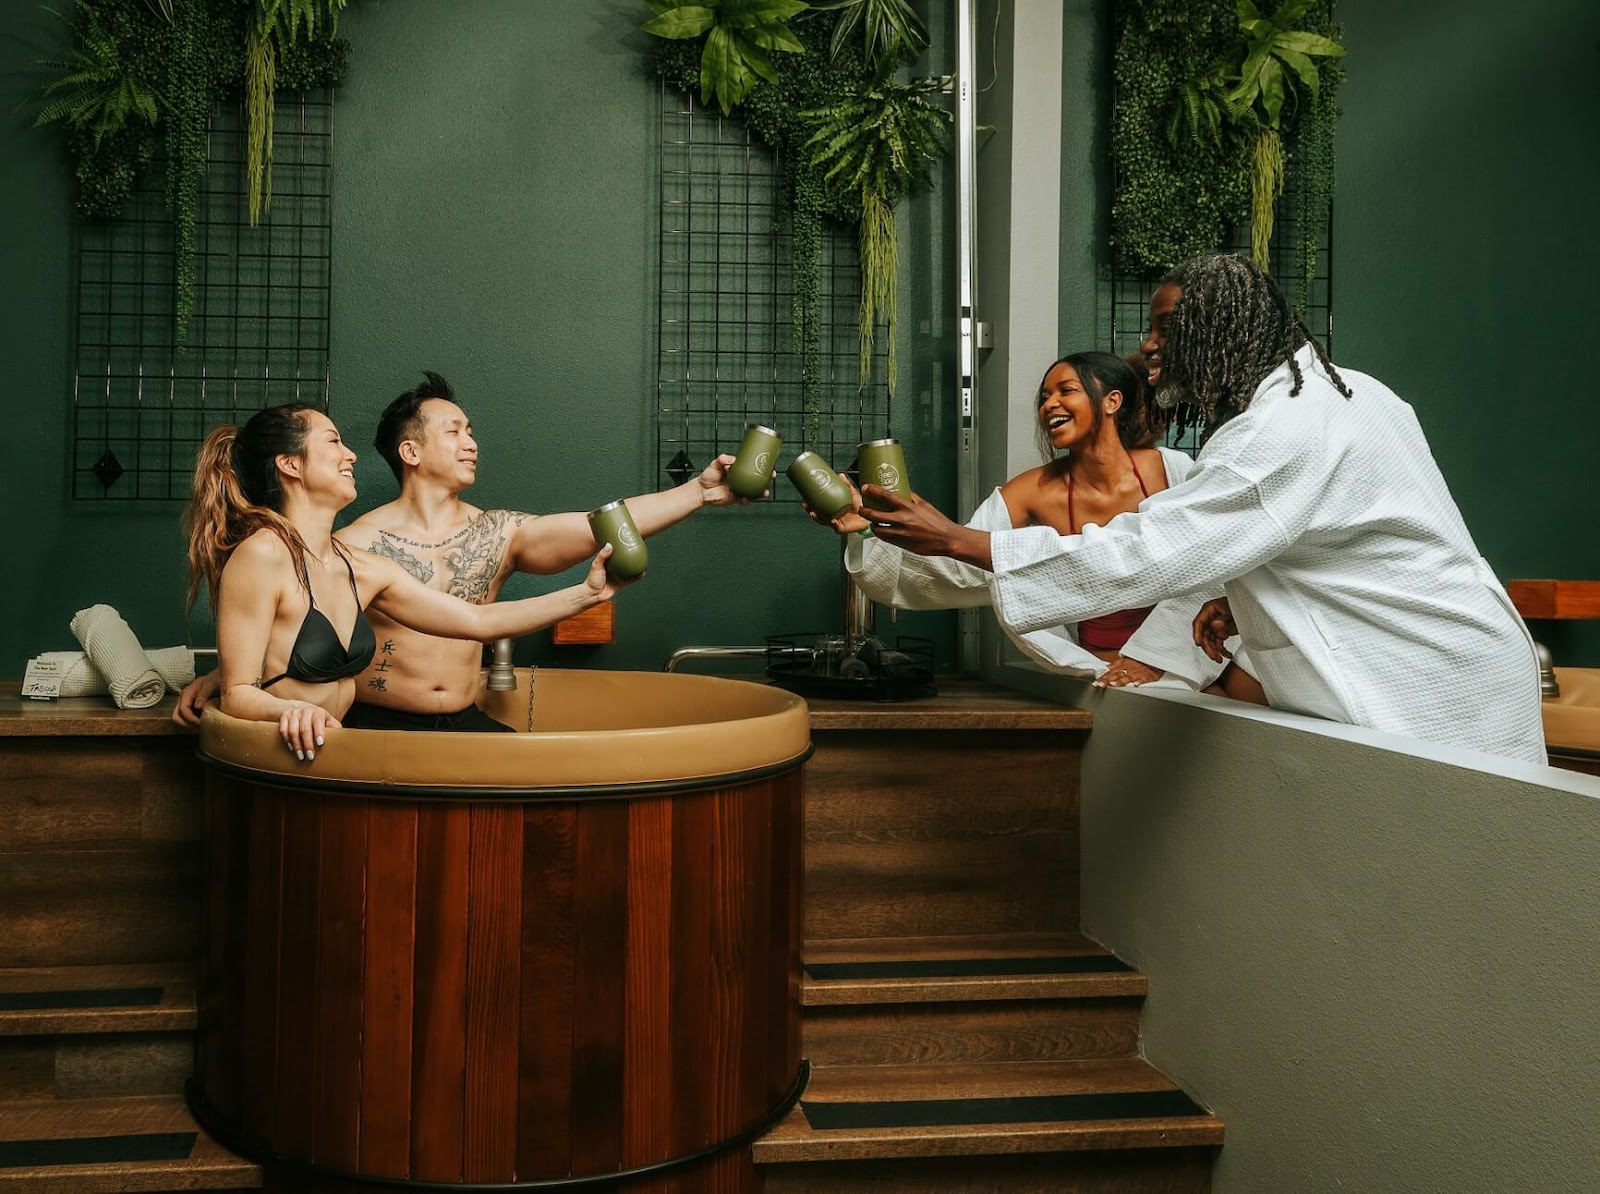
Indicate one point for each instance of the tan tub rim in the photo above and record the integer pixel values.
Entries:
(616, 734)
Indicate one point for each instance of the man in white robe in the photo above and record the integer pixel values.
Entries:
(1350, 574)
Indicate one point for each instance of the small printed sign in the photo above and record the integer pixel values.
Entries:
(42, 680)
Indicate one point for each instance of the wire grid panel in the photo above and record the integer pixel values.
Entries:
(259, 331)
(727, 345)
(1127, 298)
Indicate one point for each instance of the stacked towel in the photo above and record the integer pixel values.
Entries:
(80, 677)
(115, 652)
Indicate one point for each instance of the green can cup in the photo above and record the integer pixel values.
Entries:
(751, 471)
(822, 488)
(612, 524)
(880, 462)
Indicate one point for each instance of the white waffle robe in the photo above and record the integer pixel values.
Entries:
(1165, 640)
(1350, 573)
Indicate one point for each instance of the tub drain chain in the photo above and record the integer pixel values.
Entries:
(533, 670)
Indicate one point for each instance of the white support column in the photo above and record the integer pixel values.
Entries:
(1018, 275)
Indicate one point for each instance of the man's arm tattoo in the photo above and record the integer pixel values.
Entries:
(476, 563)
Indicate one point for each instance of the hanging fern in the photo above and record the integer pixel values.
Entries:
(879, 143)
(100, 91)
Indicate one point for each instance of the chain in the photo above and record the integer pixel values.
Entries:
(533, 671)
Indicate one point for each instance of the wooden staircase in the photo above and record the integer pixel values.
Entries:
(963, 1036)
(962, 1039)
(99, 907)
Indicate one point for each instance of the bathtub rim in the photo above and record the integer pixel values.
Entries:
(753, 731)
(381, 790)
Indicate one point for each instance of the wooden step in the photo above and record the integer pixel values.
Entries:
(922, 832)
(886, 1112)
(893, 970)
(97, 1146)
(80, 1032)
(1136, 1171)
(943, 1000)
(99, 848)
(93, 999)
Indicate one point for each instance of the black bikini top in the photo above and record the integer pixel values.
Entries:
(318, 657)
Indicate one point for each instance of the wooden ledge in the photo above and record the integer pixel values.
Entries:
(1555, 598)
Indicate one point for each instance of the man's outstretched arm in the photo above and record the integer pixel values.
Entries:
(555, 542)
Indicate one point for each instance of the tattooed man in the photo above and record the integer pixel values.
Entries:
(416, 681)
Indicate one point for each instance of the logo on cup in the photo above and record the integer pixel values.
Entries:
(821, 477)
(888, 476)
(626, 537)
(764, 461)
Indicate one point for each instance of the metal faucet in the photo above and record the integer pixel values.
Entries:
(502, 675)
(1547, 671)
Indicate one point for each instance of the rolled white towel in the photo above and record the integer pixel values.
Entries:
(80, 677)
(113, 648)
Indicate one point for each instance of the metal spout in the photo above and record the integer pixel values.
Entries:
(1547, 671)
(502, 675)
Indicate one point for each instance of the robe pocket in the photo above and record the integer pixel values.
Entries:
(1292, 683)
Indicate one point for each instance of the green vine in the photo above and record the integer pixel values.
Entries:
(852, 141)
(141, 69)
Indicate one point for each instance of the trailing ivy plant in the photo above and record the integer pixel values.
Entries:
(142, 69)
(853, 142)
(1241, 97)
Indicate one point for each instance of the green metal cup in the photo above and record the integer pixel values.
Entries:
(751, 471)
(822, 488)
(612, 524)
(880, 462)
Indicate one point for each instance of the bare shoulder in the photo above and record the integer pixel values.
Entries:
(1024, 493)
(262, 549)
(1025, 487)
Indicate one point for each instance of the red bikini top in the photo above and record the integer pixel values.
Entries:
(1109, 632)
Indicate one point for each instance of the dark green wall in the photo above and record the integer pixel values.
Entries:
(1466, 253)
(495, 195)
(1465, 249)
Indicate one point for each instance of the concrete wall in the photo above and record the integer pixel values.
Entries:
(1375, 960)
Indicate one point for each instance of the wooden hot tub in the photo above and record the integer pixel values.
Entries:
(439, 961)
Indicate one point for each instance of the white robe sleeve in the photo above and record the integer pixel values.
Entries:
(892, 576)
(1252, 495)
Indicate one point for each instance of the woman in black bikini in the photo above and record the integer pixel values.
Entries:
(284, 590)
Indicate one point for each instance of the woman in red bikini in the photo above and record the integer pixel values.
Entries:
(1097, 427)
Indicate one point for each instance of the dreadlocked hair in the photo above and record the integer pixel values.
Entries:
(237, 493)
(1232, 326)
(1101, 373)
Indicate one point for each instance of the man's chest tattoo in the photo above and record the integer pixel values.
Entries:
(475, 561)
(388, 546)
